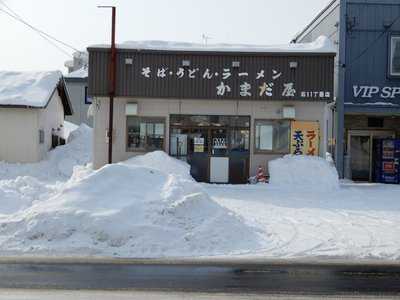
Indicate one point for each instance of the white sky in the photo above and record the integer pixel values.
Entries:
(80, 23)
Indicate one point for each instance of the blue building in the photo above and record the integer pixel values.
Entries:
(367, 79)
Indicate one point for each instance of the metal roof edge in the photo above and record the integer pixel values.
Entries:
(213, 52)
(309, 25)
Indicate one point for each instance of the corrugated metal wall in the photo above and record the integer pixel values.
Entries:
(314, 73)
(367, 50)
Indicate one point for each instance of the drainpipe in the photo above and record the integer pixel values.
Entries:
(112, 84)
(340, 111)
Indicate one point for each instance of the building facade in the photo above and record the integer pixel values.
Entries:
(77, 85)
(224, 112)
(367, 81)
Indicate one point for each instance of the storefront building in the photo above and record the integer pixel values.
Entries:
(367, 88)
(224, 111)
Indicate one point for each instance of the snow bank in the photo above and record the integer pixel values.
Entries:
(27, 88)
(301, 171)
(68, 128)
(23, 184)
(320, 45)
(135, 208)
(161, 161)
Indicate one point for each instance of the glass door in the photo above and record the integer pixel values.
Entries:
(219, 160)
(360, 157)
(360, 149)
(198, 153)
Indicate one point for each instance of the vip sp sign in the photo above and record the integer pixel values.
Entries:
(367, 92)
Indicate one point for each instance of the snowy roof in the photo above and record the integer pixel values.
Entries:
(32, 89)
(80, 73)
(320, 45)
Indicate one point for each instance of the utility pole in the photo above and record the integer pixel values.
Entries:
(112, 84)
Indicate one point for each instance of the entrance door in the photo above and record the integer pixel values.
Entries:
(360, 157)
(219, 160)
(360, 150)
(216, 147)
(198, 154)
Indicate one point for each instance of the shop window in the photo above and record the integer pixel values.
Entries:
(395, 56)
(145, 134)
(88, 99)
(240, 140)
(41, 136)
(272, 136)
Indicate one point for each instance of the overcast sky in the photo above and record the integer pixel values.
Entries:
(80, 23)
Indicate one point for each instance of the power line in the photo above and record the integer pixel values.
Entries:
(17, 17)
(44, 37)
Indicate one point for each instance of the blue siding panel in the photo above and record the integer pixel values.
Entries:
(367, 47)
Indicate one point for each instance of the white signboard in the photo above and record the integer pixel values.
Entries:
(219, 143)
(367, 92)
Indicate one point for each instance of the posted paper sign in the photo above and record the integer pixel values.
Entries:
(198, 145)
(304, 138)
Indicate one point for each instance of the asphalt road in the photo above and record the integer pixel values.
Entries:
(253, 279)
(12, 294)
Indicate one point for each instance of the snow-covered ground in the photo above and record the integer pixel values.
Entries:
(149, 206)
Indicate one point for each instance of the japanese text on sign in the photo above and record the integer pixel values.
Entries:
(266, 85)
(304, 138)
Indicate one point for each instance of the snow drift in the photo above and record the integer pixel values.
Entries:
(301, 171)
(148, 206)
(23, 184)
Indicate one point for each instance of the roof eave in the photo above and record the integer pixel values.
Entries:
(214, 52)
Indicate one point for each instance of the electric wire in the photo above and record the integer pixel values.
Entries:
(49, 38)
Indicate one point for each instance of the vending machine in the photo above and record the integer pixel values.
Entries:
(387, 161)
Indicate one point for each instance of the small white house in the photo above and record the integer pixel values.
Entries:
(32, 110)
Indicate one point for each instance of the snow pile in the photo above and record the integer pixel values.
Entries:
(145, 207)
(321, 45)
(23, 184)
(68, 128)
(161, 161)
(27, 88)
(300, 171)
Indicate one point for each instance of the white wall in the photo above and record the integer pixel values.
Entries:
(19, 131)
(19, 135)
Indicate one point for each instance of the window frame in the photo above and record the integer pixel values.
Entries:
(149, 119)
(273, 122)
(390, 55)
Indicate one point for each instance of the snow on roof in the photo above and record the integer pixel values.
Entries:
(320, 45)
(80, 73)
(27, 88)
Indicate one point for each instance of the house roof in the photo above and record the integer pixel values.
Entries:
(32, 89)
